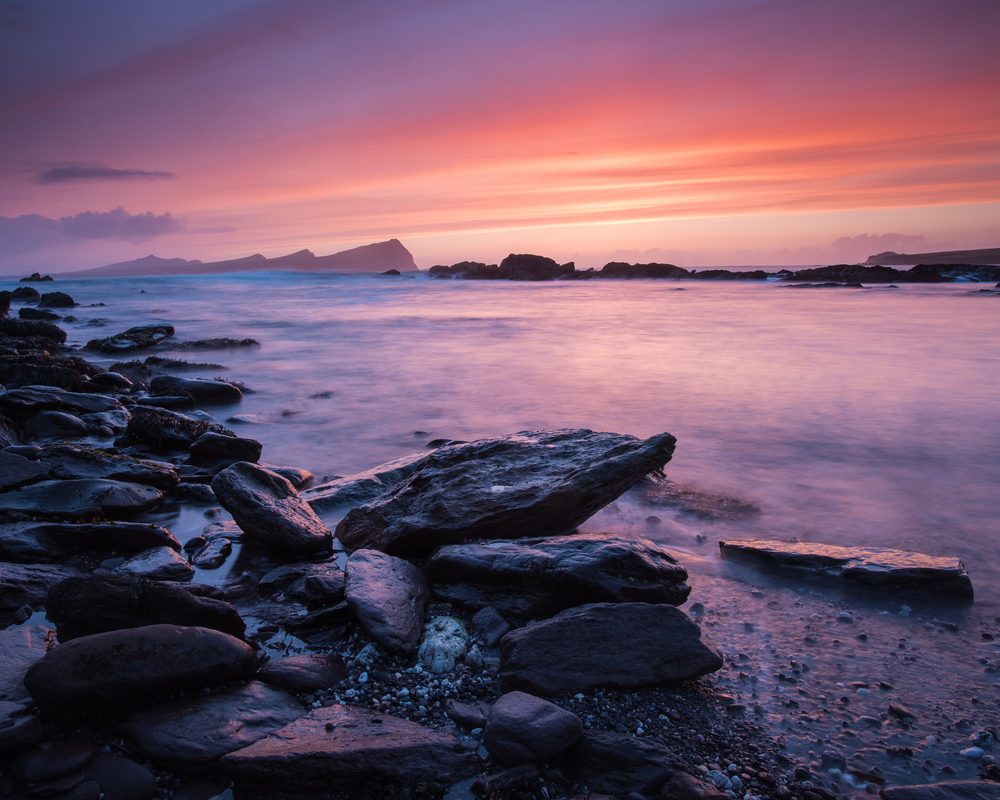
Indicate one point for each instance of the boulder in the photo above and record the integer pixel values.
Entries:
(389, 597)
(19, 728)
(299, 478)
(443, 644)
(307, 672)
(535, 483)
(164, 429)
(104, 601)
(71, 463)
(348, 748)
(33, 368)
(527, 267)
(196, 732)
(468, 715)
(203, 391)
(214, 447)
(25, 293)
(81, 498)
(522, 728)
(949, 790)
(864, 567)
(137, 338)
(536, 578)
(364, 486)
(158, 564)
(36, 313)
(601, 644)
(56, 300)
(109, 669)
(20, 648)
(113, 381)
(305, 583)
(619, 764)
(27, 585)
(17, 470)
(268, 509)
(490, 626)
(170, 403)
(49, 424)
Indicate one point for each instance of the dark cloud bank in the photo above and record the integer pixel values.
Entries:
(78, 172)
(33, 231)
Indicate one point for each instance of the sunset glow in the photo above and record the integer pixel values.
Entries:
(470, 130)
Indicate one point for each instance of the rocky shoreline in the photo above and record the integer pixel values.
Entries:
(393, 659)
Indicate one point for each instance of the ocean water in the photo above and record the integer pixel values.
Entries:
(846, 416)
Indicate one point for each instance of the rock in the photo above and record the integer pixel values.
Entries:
(18, 727)
(19, 649)
(349, 747)
(950, 790)
(213, 555)
(72, 463)
(268, 509)
(121, 779)
(170, 403)
(490, 626)
(65, 372)
(81, 498)
(529, 484)
(364, 486)
(113, 380)
(158, 564)
(203, 391)
(195, 493)
(114, 421)
(305, 583)
(101, 602)
(198, 731)
(77, 402)
(864, 567)
(536, 578)
(36, 277)
(109, 669)
(600, 644)
(466, 714)
(389, 596)
(164, 429)
(900, 711)
(27, 585)
(522, 728)
(25, 293)
(307, 672)
(132, 537)
(49, 424)
(137, 338)
(527, 267)
(36, 313)
(299, 478)
(16, 471)
(443, 644)
(618, 764)
(229, 449)
(55, 300)
(23, 542)
(52, 760)
(685, 787)
(513, 782)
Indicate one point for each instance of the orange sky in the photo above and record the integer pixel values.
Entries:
(717, 132)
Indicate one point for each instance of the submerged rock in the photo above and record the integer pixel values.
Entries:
(602, 644)
(534, 578)
(389, 596)
(864, 567)
(349, 747)
(203, 391)
(535, 483)
(17, 470)
(108, 669)
(268, 509)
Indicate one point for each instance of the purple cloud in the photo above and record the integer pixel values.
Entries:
(77, 172)
(33, 231)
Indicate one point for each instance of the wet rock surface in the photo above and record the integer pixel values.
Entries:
(82, 498)
(389, 596)
(529, 484)
(522, 728)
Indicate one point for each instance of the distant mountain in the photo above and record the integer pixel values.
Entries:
(987, 256)
(378, 257)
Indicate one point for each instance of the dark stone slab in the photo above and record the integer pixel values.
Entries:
(348, 747)
(605, 644)
(268, 509)
(21, 647)
(165, 429)
(109, 669)
(214, 447)
(389, 596)
(49, 424)
(73, 463)
(27, 585)
(305, 583)
(534, 483)
(306, 672)
(16, 471)
(534, 578)
(864, 567)
(37, 397)
(197, 732)
(619, 764)
(121, 779)
(158, 564)
(81, 498)
(203, 391)
(523, 728)
(37, 313)
(137, 338)
(131, 537)
(364, 486)
(101, 602)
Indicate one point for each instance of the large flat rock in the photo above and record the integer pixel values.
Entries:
(343, 747)
(534, 483)
(17, 470)
(534, 578)
(198, 731)
(603, 644)
(67, 463)
(108, 669)
(268, 509)
(865, 567)
(389, 596)
(353, 490)
(158, 564)
(82, 498)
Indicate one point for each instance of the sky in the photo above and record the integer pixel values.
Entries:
(696, 132)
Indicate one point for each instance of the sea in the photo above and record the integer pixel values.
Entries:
(845, 416)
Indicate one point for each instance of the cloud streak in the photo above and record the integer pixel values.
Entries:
(30, 232)
(78, 172)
